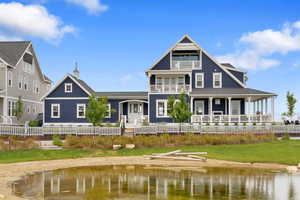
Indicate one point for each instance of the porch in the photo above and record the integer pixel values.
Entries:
(133, 112)
(240, 105)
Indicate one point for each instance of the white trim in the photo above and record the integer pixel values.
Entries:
(9, 77)
(58, 110)
(234, 69)
(65, 98)
(16, 98)
(66, 87)
(77, 110)
(196, 79)
(61, 81)
(67, 124)
(134, 101)
(165, 101)
(214, 81)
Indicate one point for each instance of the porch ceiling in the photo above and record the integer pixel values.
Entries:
(231, 92)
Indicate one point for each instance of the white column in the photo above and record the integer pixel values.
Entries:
(210, 107)
(266, 106)
(254, 104)
(262, 106)
(192, 105)
(249, 101)
(273, 108)
(229, 109)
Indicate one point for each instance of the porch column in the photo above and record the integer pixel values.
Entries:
(273, 108)
(254, 104)
(266, 106)
(229, 109)
(210, 107)
(192, 105)
(262, 107)
(249, 101)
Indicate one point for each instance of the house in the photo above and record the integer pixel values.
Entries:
(217, 93)
(21, 76)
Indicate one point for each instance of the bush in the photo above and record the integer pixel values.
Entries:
(56, 140)
(34, 123)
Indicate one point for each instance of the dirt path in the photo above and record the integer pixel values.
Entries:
(12, 172)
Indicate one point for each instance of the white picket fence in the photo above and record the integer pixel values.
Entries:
(41, 131)
(276, 129)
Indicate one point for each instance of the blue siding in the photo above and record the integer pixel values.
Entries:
(208, 68)
(152, 103)
(60, 90)
(67, 111)
(238, 75)
(163, 64)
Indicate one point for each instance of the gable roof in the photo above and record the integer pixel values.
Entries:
(11, 52)
(187, 38)
(84, 86)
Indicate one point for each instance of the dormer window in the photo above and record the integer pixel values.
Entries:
(68, 87)
(217, 80)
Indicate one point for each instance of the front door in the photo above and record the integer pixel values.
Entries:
(135, 112)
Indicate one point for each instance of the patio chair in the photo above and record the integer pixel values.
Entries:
(297, 122)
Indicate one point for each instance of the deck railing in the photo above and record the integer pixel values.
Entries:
(185, 64)
(231, 118)
(41, 131)
(169, 88)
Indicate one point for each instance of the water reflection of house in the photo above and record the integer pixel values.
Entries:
(157, 185)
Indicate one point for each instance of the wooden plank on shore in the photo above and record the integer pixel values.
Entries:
(174, 158)
(198, 157)
(168, 153)
(191, 153)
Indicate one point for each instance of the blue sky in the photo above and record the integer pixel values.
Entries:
(115, 41)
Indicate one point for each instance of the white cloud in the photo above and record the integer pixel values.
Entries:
(18, 20)
(92, 6)
(255, 49)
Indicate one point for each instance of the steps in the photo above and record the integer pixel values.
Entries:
(48, 145)
(129, 132)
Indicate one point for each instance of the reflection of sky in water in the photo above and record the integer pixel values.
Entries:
(136, 182)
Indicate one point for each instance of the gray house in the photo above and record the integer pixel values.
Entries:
(216, 92)
(20, 76)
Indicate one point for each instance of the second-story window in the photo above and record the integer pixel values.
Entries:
(199, 80)
(217, 80)
(68, 87)
(9, 74)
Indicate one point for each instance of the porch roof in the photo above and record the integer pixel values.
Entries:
(231, 92)
(124, 95)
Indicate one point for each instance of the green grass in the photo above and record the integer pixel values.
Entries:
(284, 152)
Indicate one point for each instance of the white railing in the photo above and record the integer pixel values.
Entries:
(221, 129)
(231, 118)
(169, 88)
(41, 131)
(185, 64)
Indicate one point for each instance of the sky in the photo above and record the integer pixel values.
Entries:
(115, 41)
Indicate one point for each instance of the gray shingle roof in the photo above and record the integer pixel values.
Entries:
(230, 91)
(128, 95)
(11, 52)
(83, 84)
(228, 65)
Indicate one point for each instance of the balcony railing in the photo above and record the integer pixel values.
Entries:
(169, 88)
(231, 118)
(185, 64)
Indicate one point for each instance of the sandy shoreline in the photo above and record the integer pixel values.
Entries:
(14, 171)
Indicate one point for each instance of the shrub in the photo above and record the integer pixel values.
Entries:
(30, 143)
(34, 123)
(56, 140)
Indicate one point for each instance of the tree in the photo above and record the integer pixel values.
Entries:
(97, 109)
(178, 109)
(19, 109)
(291, 102)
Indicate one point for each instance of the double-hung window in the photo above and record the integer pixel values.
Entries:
(9, 74)
(108, 114)
(199, 107)
(11, 108)
(162, 108)
(199, 80)
(68, 87)
(55, 110)
(80, 110)
(217, 80)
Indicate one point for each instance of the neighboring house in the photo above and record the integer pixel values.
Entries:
(216, 93)
(21, 76)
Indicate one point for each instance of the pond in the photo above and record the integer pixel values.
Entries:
(157, 182)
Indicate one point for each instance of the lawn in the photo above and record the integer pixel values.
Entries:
(284, 152)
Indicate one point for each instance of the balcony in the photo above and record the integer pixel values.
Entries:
(185, 65)
(169, 88)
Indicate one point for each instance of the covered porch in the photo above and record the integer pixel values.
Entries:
(133, 112)
(232, 105)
